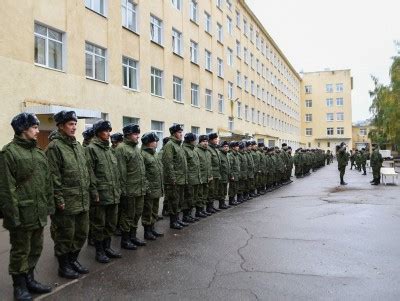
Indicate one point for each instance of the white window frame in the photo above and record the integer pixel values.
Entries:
(95, 55)
(220, 67)
(340, 131)
(221, 106)
(308, 89)
(125, 11)
(158, 77)
(329, 102)
(194, 95)
(194, 11)
(90, 4)
(156, 30)
(208, 101)
(177, 89)
(239, 110)
(230, 90)
(47, 38)
(127, 66)
(229, 25)
(308, 132)
(308, 103)
(330, 131)
(177, 45)
(308, 117)
(194, 52)
(238, 79)
(329, 88)
(340, 116)
(339, 87)
(340, 102)
(330, 117)
(229, 60)
(207, 22)
(177, 4)
(220, 33)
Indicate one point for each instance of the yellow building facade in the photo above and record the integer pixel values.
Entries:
(360, 135)
(326, 109)
(207, 64)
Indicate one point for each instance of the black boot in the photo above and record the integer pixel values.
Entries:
(205, 211)
(187, 217)
(210, 209)
(222, 205)
(199, 213)
(148, 234)
(100, 254)
(75, 264)
(156, 233)
(108, 250)
(180, 222)
(126, 241)
(136, 240)
(232, 201)
(192, 214)
(65, 269)
(21, 292)
(34, 286)
(164, 210)
(173, 223)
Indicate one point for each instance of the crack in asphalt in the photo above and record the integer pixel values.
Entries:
(289, 239)
(290, 274)
(243, 259)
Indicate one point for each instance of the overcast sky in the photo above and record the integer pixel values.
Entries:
(340, 34)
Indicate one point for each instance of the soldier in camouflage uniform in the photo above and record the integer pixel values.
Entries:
(105, 191)
(352, 158)
(243, 177)
(175, 175)
(257, 169)
(342, 158)
(205, 176)
(263, 169)
(87, 135)
(234, 163)
(116, 139)
(26, 198)
(155, 188)
(213, 148)
(376, 164)
(133, 186)
(250, 185)
(164, 211)
(193, 175)
(363, 161)
(226, 175)
(70, 175)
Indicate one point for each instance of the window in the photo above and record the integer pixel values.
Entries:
(230, 57)
(264, 120)
(238, 19)
(229, 4)
(246, 112)
(207, 22)
(195, 95)
(251, 34)
(329, 88)
(98, 6)
(220, 33)
(308, 89)
(220, 103)
(363, 132)
(177, 4)
(177, 89)
(176, 42)
(194, 52)
(329, 131)
(329, 102)
(308, 103)
(329, 116)
(195, 130)
(308, 131)
(130, 73)
(129, 15)
(253, 115)
(129, 120)
(208, 60)
(252, 61)
(220, 64)
(156, 82)
(156, 30)
(238, 79)
(246, 84)
(239, 110)
(245, 56)
(340, 131)
(219, 3)
(308, 117)
(230, 90)
(49, 47)
(340, 116)
(339, 87)
(339, 102)
(230, 123)
(95, 62)
(238, 49)
(193, 10)
(259, 117)
(229, 25)
(209, 130)
(208, 100)
(158, 128)
(252, 87)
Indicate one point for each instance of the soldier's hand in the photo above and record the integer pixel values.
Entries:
(97, 199)
(61, 207)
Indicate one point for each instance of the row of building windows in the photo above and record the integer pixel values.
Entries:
(329, 117)
(329, 131)
(328, 88)
(329, 102)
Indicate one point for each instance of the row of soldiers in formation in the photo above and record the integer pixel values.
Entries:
(358, 159)
(97, 187)
(306, 160)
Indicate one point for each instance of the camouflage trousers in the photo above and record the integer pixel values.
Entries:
(222, 191)
(175, 195)
(150, 211)
(26, 247)
(191, 196)
(70, 232)
(202, 195)
(233, 189)
(131, 208)
(242, 186)
(213, 188)
(103, 221)
(376, 173)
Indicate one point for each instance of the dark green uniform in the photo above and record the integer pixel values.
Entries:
(243, 172)
(155, 190)
(234, 163)
(216, 174)
(133, 184)
(105, 187)
(226, 176)
(342, 158)
(26, 198)
(376, 164)
(71, 180)
(193, 177)
(205, 175)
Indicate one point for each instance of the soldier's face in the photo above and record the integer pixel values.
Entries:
(225, 148)
(214, 141)
(69, 128)
(179, 135)
(152, 145)
(104, 135)
(236, 148)
(134, 137)
(31, 133)
(204, 143)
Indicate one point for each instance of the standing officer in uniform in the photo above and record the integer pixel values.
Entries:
(243, 167)
(133, 186)
(26, 198)
(105, 191)
(342, 158)
(376, 164)
(193, 173)
(164, 211)
(175, 175)
(155, 190)
(116, 139)
(88, 135)
(213, 141)
(234, 163)
(70, 174)
(226, 175)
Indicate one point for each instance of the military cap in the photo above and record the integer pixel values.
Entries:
(117, 137)
(149, 137)
(101, 125)
(24, 121)
(224, 143)
(175, 128)
(212, 136)
(131, 129)
(190, 137)
(233, 144)
(342, 144)
(248, 143)
(63, 117)
(242, 144)
(88, 133)
(165, 140)
(203, 138)
(261, 144)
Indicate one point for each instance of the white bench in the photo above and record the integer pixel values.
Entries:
(389, 172)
